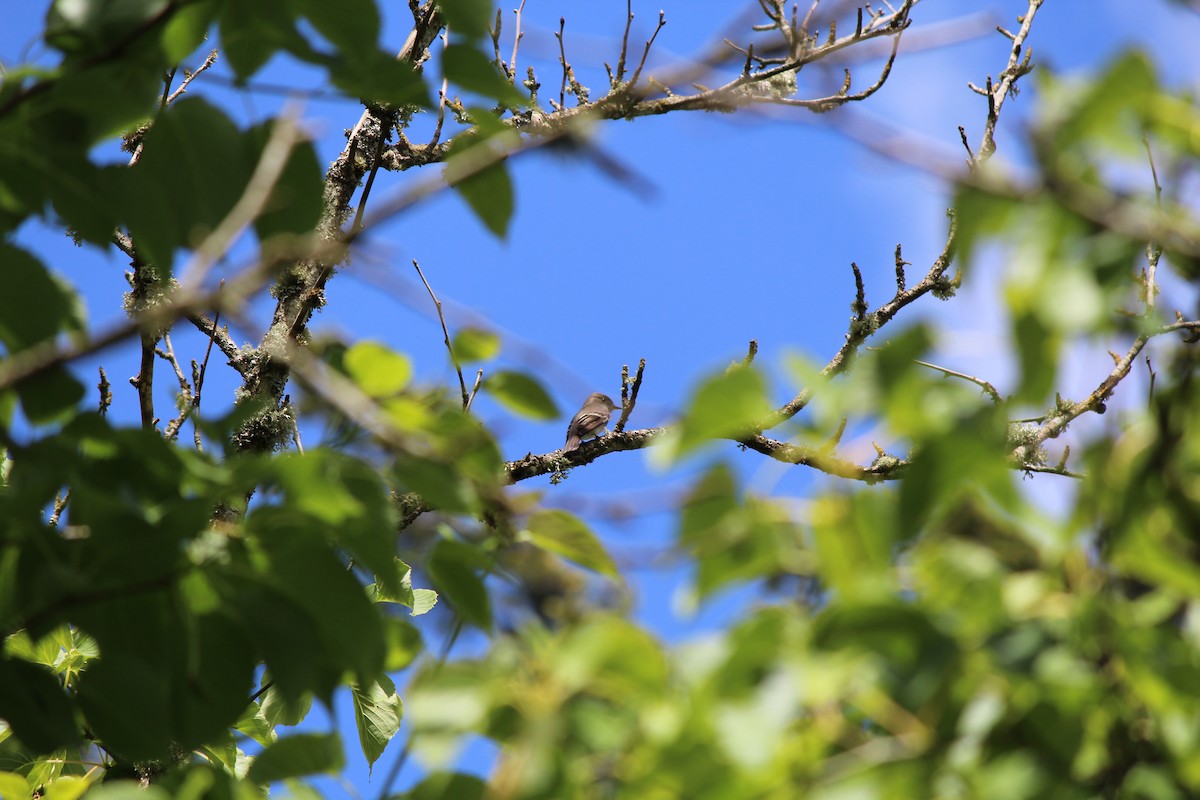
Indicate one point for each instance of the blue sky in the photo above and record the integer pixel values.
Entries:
(748, 233)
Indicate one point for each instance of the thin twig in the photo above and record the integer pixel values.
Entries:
(191, 76)
(988, 389)
(625, 41)
(1153, 247)
(517, 36)
(662, 20)
(562, 58)
(437, 304)
(475, 388)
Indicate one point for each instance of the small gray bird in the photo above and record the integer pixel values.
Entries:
(592, 420)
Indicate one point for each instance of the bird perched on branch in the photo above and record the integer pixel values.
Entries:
(592, 420)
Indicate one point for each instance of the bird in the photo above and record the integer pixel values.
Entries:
(592, 420)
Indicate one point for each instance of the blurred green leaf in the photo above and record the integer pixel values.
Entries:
(13, 785)
(449, 786)
(49, 396)
(252, 33)
(350, 25)
(88, 27)
(296, 756)
(1094, 115)
(521, 394)
(468, 17)
(193, 158)
(456, 572)
(855, 542)
(472, 70)
(35, 304)
(475, 344)
(488, 192)
(725, 405)
(566, 535)
(377, 369)
(440, 484)
(297, 198)
(34, 705)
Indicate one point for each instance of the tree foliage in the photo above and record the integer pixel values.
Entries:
(927, 629)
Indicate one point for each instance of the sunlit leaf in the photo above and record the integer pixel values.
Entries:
(377, 714)
(377, 369)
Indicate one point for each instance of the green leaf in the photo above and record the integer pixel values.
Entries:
(68, 787)
(84, 28)
(468, 17)
(193, 169)
(251, 33)
(449, 786)
(193, 685)
(49, 396)
(439, 483)
(472, 70)
(349, 495)
(296, 199)
(1128, 82)
(488, 192)
(378, 711)
(1038, 353)
(855, 539)
(455, 569)
(565, 534)
(186, 30)
(297, 756)
(293, 554)
(380, 78)
(282, 630)
(281, 710)
(423, 601)
(726, 405)
(521, 394)
(475, 344)
(350, 25)
(35, 304)
(14, 785)
(404, 643)
(34, 705)
(420, 601)
(377, 369)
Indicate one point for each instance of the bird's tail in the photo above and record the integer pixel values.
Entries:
(572, 443)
